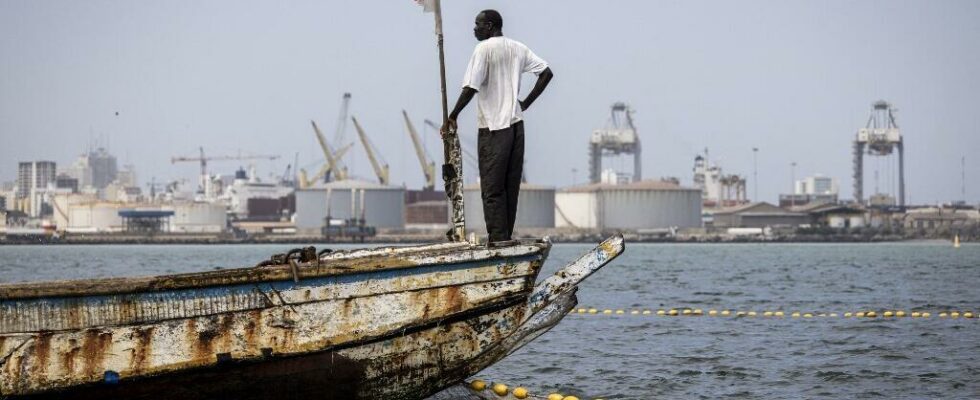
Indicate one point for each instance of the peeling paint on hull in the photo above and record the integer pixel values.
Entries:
(358, 325)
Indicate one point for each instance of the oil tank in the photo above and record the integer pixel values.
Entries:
(383, 206)
(94, 217)
(535, 208)
(198, 217)
(647, 204)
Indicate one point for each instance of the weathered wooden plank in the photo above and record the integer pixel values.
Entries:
(337, 263)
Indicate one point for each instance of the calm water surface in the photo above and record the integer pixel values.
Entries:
(643, 357)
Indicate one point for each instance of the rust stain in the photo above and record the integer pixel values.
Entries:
(226, 325)
(143, 338)
(42, 349)
(68, 358)
(95, 345)
(454, 300)
(202, 346)
(254, 319)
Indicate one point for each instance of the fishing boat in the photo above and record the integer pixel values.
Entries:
(390, 322)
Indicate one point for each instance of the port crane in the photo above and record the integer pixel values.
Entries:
(381, 170)
(203, 160)
(428, 167)
(305, 182)
(334, 167)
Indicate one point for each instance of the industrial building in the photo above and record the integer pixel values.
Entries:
(535, 208)
(381, 206)
(817, 189)
(717, 189)
(758, 215)
(633, 206)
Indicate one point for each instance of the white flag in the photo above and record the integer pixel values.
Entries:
(427, 5)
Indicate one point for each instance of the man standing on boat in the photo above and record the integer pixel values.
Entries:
(494, 74)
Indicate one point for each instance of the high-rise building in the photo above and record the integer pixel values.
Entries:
(34, 175)
(95, 169)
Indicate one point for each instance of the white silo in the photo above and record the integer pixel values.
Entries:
(535, 208)
(639, 205)
(383, 206)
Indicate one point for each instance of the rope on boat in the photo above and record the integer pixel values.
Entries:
(697, 312)
(497, 390)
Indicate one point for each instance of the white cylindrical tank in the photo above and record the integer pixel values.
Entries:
(535, 208)
(638, 205)
(857, 221)
(94, 217)
(384, 206)
(198, 217)
(837, 221)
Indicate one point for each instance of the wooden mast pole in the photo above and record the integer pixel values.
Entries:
(452, 168)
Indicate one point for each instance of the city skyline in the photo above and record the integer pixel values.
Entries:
(795, 80)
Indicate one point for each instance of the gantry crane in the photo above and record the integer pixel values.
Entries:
(428, 167)
(204, 164)
(381, 170)
(334, 167)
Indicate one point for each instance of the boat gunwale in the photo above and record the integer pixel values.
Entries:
(339, 263)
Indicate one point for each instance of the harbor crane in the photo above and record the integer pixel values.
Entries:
(428, 167)
(305, 182)
(381, 170)
(880, 137)
(334, 167)
(204, 163)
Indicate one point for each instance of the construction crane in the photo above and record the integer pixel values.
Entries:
(372, 152)
(335, 168)
(204, 163)
(428, 167)
(305, 182)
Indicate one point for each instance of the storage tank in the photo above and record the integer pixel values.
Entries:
(383, 206)
(535, 208)
(639, 205)
(198, 217)
(94, 217)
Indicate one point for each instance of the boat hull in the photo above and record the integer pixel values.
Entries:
(377, 324)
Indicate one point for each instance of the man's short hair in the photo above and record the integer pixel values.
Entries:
(494, 17)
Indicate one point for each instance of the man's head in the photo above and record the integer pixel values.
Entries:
(489, 23)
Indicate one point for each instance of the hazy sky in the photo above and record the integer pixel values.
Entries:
(795, 79)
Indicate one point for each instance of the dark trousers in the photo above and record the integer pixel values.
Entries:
(501, 166)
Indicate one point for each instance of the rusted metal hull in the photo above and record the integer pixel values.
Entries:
(399, 324)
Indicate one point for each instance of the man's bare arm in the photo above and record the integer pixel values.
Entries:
(543, 79)
(464, 99)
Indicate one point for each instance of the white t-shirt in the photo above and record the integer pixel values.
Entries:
(495, 72)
